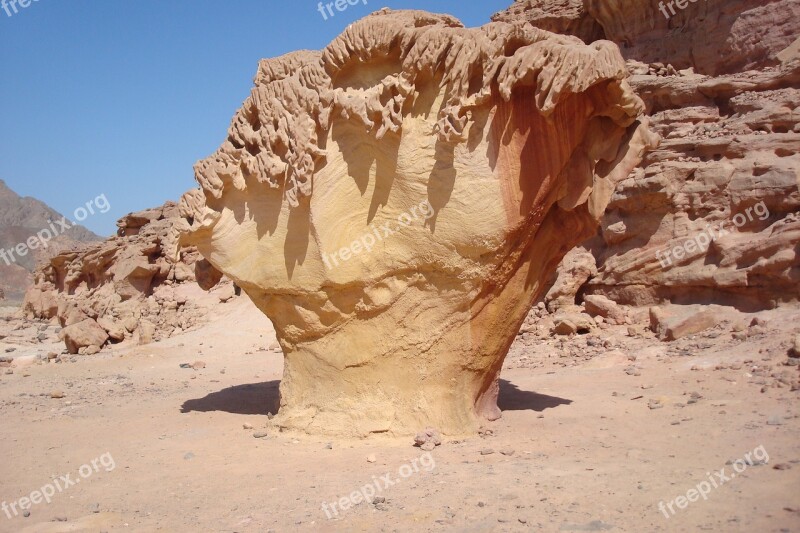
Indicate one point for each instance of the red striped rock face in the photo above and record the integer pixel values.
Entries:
(394, 203)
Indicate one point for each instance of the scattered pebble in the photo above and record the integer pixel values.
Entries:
(654, 404)
(428, 440)
(371, 458)
(794, 351)
(632, 371)
(594, 525)
(748, 461)
(775, 421)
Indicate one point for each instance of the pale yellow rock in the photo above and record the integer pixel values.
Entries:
(83, 334)
(395, 203)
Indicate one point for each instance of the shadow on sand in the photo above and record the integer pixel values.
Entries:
(263, 398)
(249, 399)
(511, 398)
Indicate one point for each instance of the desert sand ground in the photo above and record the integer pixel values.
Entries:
(590, 440)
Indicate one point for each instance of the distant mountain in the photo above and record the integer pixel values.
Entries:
(20, 219)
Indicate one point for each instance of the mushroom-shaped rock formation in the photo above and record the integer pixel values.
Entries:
(395, 202)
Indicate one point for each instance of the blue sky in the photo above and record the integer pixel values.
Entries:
(122, 97)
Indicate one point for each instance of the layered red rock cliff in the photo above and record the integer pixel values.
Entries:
(712, 215)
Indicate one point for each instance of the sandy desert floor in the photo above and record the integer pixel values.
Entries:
(593, 436)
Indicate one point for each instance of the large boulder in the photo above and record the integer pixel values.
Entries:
(83, 335)
(115, 330)
(396, 202)
(673, 322)
(597, 305)
(577, 267)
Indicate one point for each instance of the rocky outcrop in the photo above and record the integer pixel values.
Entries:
(712, 215)
(712, 36)
(124, 288)
(566, 17)
(395, 203)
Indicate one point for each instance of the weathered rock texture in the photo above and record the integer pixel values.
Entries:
(712, 36)
(122, 288)
(722, 188)
(458, 165)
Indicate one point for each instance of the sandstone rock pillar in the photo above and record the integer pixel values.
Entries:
(395, 202)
